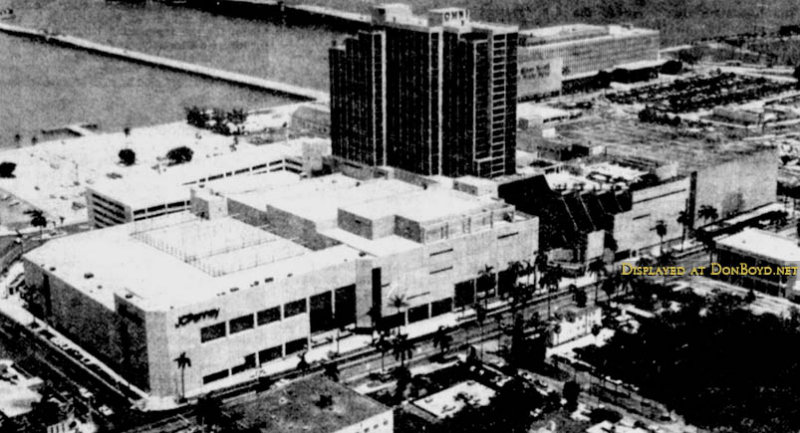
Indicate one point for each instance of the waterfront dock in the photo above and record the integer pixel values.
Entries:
(296, 14)
(312, 14)
(77, 129)
(272, 86)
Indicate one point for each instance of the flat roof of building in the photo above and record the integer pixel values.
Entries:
(446, 403)
(300, 407)
(208, 165)
(763, 244)
(527, 110)
(138, 193)
(319, 199)
(260, 198)
(187, 259)
(17, 394)
(568, 33)
(423, 205)
(381, 247)
(254, 182)
(565, 29)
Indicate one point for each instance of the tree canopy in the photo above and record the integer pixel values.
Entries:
(127, 156)
(180, 155)
(716, 363)
(7, 169)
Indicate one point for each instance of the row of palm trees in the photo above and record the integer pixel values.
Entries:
(544, 276)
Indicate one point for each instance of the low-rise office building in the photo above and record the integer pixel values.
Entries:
(146, 194)
(549, 56)
(312, 119)
(117, 202)
(249, 279)
(448, 402)
(770, 260)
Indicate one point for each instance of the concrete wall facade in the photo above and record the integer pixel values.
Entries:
(744, 183)
(635, 229)
(230, 351)
(112, 338)
(429, 274)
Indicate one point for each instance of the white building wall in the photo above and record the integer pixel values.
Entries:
(227, 352)
(635, 229)
(430, 273)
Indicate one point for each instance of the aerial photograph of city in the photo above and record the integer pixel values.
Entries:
(400, 216)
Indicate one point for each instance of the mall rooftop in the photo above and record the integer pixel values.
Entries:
(573, 32)
(763, 244)
(187, 259)
(450, 401)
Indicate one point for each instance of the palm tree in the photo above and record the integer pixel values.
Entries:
(708, 213)
(540, 264)
(708, 243)
(374, 314)
(382, 345)
(520, 295)
(398, 302)
(611, 244)
(528, 270)
(516, 268)
(611, 283)
(402, 376)
(685, 220)
(302, 364)
(480, 317)
(402, 348)
(550, 281)
(208, 411)
(37, 219)
(442, 340)
(597, 268)
(332, 371)
(661, 231)
(183, 362)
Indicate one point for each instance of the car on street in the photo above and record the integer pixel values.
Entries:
(85, 394)
(105, 410)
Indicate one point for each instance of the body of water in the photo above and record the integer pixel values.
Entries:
(44, 86)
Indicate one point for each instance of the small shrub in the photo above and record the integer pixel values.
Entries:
(127, 157)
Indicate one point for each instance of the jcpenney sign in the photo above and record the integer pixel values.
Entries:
(196, 317)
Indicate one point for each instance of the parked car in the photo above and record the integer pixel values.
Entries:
(105, 410)
(85, 394)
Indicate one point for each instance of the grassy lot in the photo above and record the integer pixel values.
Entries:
(680, 21)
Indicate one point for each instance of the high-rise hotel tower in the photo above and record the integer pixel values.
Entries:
(433, 94)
